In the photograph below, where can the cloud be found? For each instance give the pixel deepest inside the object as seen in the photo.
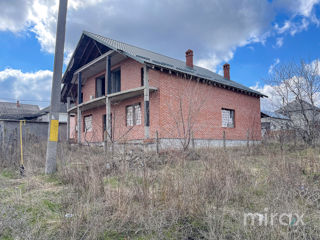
(273, 102)
(315, 66)
(15, 84)
(297, 7)
(301, 15)
(213, 29)
(14, 15)
(279, 42)
(293, 27)
(276, 62)
(306, 6)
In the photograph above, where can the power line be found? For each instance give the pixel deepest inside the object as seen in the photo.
(25, 100)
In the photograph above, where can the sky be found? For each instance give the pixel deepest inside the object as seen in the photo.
(253, 36)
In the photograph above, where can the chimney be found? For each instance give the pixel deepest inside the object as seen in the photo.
(226, 71)
(18, 104)
(189, 58)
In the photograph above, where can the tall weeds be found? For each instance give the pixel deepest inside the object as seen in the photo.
(199, 194)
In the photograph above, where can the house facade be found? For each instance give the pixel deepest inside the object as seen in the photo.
(304, 119)
(121, 93)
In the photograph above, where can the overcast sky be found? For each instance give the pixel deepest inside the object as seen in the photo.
(252, 35)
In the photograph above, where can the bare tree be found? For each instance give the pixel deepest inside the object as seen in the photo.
(184, 109)
(298, 86)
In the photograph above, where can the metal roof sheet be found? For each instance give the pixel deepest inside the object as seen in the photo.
(9, 110)
(296, 106)
(274, 115)
(146, 56)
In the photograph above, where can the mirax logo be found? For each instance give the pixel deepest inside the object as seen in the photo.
(271, 219)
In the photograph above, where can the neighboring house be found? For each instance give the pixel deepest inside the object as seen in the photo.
(304, 118)
(43, 114)
(296, 110)
(34, 122)
(136, 95)
(272, 122)
(16, 111)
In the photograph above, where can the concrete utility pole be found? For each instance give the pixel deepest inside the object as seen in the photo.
(51, 158)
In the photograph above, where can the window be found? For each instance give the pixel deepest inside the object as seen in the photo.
(227, 118)
(142, 76)
(133, 114)
(87, 123)
(104, 122)
(100, 86)
(115, 82)
(137, 114)
(81, 98)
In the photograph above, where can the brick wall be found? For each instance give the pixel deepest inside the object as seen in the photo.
(130, 78)
(207, 120)
(201, 103)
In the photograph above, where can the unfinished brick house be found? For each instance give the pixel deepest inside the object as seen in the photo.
(121, 93)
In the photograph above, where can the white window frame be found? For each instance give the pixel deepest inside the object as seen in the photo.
(228, 118)
(133, 115)
(87, 123)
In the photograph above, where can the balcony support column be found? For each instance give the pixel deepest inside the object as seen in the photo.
(146, 102)
(68, 119)
(108, 134)
(78, 108)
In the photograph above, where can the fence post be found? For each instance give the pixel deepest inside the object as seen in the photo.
(192, 140)
(157, 141)
(16, 144)
(248, 143)
(224, 139)
(105, 141)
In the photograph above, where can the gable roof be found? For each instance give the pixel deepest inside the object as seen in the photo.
(9, 110)
(295, 106)
(145, 56)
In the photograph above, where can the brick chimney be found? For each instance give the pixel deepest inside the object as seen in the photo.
(18, 104)
(189, 58)
(226, 71)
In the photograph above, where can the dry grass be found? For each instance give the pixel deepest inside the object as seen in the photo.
(177, 195)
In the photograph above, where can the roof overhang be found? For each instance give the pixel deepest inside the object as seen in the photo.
(159, 62)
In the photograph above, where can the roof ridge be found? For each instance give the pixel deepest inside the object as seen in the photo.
(87, 32)
(136, 47)
(14, 103)
(147, 56)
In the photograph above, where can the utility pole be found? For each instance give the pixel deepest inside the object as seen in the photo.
(51, 157)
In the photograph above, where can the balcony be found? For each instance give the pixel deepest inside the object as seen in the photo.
(113, 97)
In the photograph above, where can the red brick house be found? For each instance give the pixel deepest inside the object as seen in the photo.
(130, 94)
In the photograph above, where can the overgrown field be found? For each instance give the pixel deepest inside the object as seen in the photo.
(202, 194)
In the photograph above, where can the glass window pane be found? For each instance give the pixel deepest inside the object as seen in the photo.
(137, 114)
(130, 116)
(88, 123)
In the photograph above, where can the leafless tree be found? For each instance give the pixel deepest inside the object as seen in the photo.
(297, 84)
(184, 109)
